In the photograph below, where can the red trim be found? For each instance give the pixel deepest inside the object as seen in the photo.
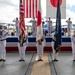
(66, 49)
(10, 49)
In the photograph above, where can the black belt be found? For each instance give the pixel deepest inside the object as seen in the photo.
(2, 39)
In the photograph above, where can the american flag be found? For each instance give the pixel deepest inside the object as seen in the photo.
(30, 7)
(22, 22)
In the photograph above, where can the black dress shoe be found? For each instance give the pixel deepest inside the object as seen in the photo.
(1, 59)
(55, 60)
(20, 60)
(40, 60)
(23, 60)
(74, 60)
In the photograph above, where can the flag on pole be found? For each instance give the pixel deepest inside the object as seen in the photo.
(51, 7)
(22, 24)
(39, 23)
(58, 36)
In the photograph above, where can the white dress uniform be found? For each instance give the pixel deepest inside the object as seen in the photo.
(3, 36)
(40, 47)
(22, 49)
(69, 26)
(33, 21)
(73, 46)
(17, 26)
(49, 27)
(55, 55)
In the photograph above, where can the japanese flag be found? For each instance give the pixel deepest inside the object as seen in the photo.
(39, 22)
(51, 7)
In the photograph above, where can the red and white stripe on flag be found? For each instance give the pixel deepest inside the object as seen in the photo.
(51, 7)
(22, 22)
(39, 22)
(30, 7)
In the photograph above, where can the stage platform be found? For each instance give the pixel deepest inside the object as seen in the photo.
(12, 44)
(12, 66)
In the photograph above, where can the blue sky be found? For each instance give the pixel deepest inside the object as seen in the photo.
(9, 10)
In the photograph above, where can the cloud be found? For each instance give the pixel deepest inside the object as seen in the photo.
(9, 2)
(9, 9)
(8, 14)
(70, 13)
(70, 3)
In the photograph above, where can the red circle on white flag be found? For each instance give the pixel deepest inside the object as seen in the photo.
(54, 2)
(39, 18)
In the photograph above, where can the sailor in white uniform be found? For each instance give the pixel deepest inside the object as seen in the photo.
(69, 24)
(3, 36)
(49, 26)
(22, 44)
(40, 47)
(17, 26)
(73, 45)
(33, 21)
(55, 55)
